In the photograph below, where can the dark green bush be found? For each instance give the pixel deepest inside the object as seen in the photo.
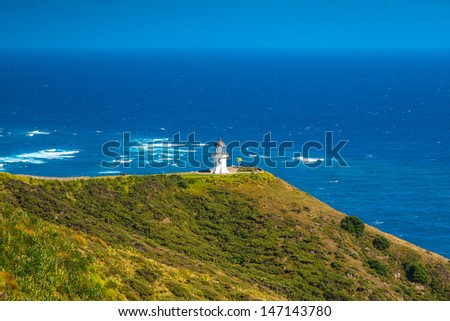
(416, 272)
(378, 267)
(353, 225)
(381, 243)
(183, 184)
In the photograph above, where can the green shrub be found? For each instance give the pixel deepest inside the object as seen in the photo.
(247, 169)
(183, 184)
(416, 272)
(377, 266)
(353, 225)
(381, 243)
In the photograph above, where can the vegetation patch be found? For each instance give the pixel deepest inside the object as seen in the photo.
(416, 272)
(353, 225)
(381, 243)
(377, 266)
(196, 237)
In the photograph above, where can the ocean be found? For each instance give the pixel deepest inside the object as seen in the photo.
(58, 109)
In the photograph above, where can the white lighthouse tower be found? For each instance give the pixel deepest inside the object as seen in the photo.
(220, 158)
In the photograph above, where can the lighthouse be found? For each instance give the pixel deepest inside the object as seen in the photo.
(220, 158)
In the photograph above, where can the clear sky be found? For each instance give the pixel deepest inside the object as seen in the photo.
(259, 24)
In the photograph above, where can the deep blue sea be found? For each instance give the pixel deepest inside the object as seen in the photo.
(57, 109)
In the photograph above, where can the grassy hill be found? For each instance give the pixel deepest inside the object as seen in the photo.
(198, 237)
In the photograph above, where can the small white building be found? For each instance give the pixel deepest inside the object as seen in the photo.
(220, 158)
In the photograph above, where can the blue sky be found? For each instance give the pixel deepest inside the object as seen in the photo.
(261, 24)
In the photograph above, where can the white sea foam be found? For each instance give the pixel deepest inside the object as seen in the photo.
(123, 161)
(309, 160)
(377, 222)
(14, 159)
(156, 145)
(109, 172)
(40, 157)
(37, 132)
(49, 154)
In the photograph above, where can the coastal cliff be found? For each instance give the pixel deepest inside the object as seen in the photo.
(198, 237)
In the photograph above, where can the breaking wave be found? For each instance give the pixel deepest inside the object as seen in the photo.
(37, 132)
(40, 157)
(309, 160)
(50, 154)
(109, 172)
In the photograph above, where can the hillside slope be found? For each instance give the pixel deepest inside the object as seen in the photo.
(197, 237)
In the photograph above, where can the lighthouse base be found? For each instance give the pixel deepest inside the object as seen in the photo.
(220, 167)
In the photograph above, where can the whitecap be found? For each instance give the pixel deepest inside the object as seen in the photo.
(334, 181)
(109, 172)
(11, 160)
(158, 145)
(308, 160)
(377, 222)
(40, 156)
(49, 154)
(123, 161)
(37, 132)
